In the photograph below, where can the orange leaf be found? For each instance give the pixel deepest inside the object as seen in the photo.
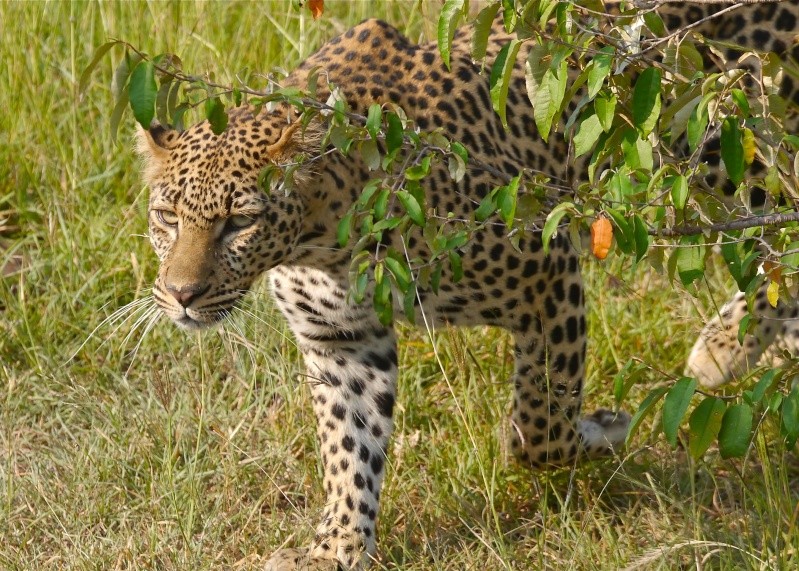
(773, 270)
(316, 7)
(601, 237)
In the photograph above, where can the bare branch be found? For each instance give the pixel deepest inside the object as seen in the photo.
(739, 224)
(653, 3)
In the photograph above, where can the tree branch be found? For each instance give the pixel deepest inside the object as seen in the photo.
(740, 224)
(651, 3)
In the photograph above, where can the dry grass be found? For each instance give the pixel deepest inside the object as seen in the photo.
(199, 452)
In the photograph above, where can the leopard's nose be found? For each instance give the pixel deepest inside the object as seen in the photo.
(186, 294)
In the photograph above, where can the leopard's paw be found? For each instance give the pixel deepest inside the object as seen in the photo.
(604, 431)
(299, 560)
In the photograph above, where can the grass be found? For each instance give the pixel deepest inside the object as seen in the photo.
(198, 452)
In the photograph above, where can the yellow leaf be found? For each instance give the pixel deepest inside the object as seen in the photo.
(748, 141)
(773, 293)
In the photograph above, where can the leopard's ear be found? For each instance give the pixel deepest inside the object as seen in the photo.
(296, 138)
(291, 142)
(296, 141)
(154, 146)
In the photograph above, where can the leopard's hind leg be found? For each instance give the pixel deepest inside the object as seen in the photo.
(717, 356)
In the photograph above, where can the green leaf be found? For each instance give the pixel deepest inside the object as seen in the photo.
(215, 113)
(394, 135)
(740, 100)
(643, 410)
(119, 81)
(654, 24)
(772, 179)
(690, 259)
(675, 405)
(87, 72)
(455, 265)
(374, 119)
(679, 192)
(625, 239)
(545, 87)
(697, 123)
(624, 380)
(412, 207)
(399, 269)
(641, 236)
(267, 177)
(177, 116)
(739, 258)
(538, 59)
(435, 278)
(487, 207)
(790, 417)
(732, 150)
(172, 104)
(637, 151)
(343, 229)
(501, 73)
(341, 139)
(360, 286)
(765, 384)
(118, 111)
(646, 100)
(368, 191)
(459, 150)
(418, 172)
(381, 203)
(600, 67)
(162, 101)
(416, 191)
(456, 240)
(382, 296)
(142, 93)
(386, 224)
(482, 29)
(736, 431)
(743, 327)
(370, 154)
(551, 224)
(588, 132)
(509, 15)
(605, 108)
(451, 13)
(705, 423)
(506, 201)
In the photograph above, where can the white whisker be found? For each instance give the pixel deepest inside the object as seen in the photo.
(124, 313)
(154, 315)
(142, 319)
(238, 338)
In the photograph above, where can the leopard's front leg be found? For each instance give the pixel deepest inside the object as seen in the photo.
(351, 365)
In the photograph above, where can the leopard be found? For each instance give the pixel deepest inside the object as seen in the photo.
(216, 231)
(719, 357)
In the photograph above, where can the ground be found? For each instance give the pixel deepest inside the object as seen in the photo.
(114, 461)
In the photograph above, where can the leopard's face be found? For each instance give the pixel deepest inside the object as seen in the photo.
(215, 231)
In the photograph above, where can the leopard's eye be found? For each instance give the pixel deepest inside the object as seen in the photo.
(239, 222)
(166, 217)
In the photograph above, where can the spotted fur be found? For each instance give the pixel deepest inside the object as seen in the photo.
(215, 232)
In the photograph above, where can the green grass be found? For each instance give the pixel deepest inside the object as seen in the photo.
(198, 452)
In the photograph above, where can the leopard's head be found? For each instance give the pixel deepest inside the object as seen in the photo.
(213, 227)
